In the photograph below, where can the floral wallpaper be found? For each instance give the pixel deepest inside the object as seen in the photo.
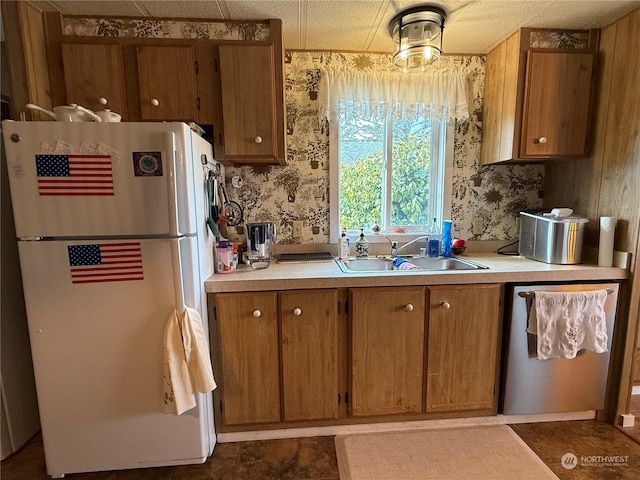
(577, 40)
(146, 28)
(300, 191)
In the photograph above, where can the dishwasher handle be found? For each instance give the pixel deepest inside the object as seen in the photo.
(531, 294)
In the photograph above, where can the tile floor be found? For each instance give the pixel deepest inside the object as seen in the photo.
(314, 458)
(634, 408)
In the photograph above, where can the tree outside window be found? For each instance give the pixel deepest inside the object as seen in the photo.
(385, 172)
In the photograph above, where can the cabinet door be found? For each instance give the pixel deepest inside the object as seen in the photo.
(247, 82)
(387, 347)
(462, 347)
(167, 82)
(248, 345)
(93, 72)
(309, 354)
(556, 108)
(206, 79)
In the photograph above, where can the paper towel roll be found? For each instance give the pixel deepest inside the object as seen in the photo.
(607, 234)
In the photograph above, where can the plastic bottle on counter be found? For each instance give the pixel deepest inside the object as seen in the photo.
(447, 238)
(362, 246)
(433, 247)
(343, 243)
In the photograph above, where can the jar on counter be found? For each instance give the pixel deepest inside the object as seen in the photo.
(224, 257)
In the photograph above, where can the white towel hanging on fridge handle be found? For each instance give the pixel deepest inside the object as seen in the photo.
(187, 363)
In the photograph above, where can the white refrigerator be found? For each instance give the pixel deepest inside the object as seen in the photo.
(112, 237)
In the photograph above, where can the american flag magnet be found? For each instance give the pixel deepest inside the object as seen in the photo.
(105, 262)
(74, 174)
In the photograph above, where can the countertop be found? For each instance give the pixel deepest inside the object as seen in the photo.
(327, 274)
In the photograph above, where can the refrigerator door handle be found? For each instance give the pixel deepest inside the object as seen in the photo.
(170, 146)
(178, 286)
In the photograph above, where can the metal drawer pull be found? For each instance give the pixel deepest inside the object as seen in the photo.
(258, 139)
(257, 313)
(531, 294)
(155, 102)
(542, 140)
(297, 311)
(408, 307)
(445, 305)
(103, 101)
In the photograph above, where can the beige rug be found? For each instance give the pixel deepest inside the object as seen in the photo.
(471, 453)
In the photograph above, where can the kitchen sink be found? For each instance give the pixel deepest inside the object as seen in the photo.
(385, 264)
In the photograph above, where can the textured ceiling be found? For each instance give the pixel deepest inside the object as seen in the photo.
(472, 26)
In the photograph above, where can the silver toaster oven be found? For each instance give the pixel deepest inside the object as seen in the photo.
(551, 239)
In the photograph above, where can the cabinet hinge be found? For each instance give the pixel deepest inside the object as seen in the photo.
(346, 397)
(215, 313)
(220, 404)
(339, 399)
(346, 306)
(215, 64)
(195, 66)
(198, 103)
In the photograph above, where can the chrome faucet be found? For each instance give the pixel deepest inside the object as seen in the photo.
(421, 237)
(395, 249)
(394, 246)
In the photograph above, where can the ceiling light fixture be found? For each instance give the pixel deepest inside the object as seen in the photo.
(417, 33)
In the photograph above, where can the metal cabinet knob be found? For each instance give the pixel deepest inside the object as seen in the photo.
(155, 102)
(297, 311)
(542, 140)
(258, 139)
(102, 100)
(408, 307)
(257, 313)
(445, 305)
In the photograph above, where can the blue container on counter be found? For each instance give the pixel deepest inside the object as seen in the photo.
(447, 238)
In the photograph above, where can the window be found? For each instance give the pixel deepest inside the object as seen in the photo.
(391, 145)
(389, 171)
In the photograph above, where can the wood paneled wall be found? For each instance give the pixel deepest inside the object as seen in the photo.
(608, 182)
(26, 58)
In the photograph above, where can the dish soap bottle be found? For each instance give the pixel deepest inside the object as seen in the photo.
(434, 240)
(362, 246)
(447, 238)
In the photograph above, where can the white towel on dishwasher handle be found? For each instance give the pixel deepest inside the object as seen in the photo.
(187, 364)
(567, 322)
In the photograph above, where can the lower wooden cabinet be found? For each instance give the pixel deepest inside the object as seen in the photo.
(387, 350)
(249, 367)
(288, 357)
(276, 364)
(309, 350)
(390, 348)
(462, 348)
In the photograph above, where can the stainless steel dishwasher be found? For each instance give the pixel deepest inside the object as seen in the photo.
(556, 385)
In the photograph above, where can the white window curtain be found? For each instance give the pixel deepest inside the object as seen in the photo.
(372, 95)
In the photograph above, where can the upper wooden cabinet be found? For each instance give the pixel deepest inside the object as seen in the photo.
(537, 101)
(167, 82)
(233, 88)
(249, 128)
(94, 76)
(556, 104)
